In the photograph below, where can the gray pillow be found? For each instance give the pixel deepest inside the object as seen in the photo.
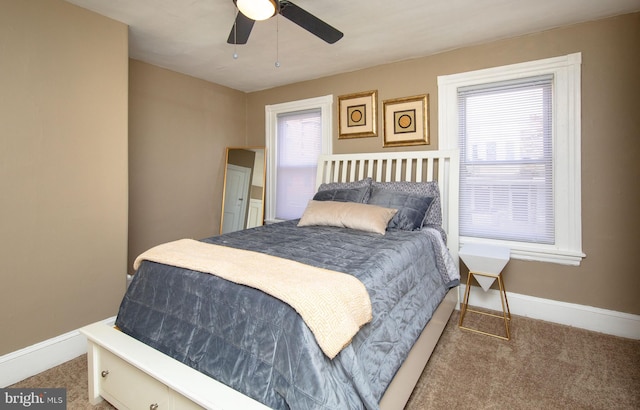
(412, 208)
(342, 195)
(363, 183)
(433, 218)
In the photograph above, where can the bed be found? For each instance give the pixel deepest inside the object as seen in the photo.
(187, 339)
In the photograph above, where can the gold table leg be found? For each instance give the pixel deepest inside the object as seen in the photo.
(506, 313)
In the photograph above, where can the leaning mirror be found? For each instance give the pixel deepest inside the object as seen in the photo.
(244, 186)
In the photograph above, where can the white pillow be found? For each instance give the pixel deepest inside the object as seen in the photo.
(364, 217)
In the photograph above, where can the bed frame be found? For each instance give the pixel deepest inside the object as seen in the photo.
(130, 374)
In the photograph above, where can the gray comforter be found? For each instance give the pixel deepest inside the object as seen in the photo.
(261, 347)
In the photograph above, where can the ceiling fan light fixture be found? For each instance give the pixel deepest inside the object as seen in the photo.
(257, 9)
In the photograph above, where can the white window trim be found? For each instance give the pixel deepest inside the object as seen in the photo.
(325, 103)
(566, 148)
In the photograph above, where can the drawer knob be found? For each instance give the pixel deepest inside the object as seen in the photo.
(154, 406)
(104, 373)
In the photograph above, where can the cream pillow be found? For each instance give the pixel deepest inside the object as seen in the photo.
(364, 217)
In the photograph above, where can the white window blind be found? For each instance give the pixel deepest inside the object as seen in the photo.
(506, 160)
(299, 144)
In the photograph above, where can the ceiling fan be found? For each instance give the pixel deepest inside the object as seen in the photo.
(251, 10)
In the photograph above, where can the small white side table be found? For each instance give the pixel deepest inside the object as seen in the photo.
(485, 263)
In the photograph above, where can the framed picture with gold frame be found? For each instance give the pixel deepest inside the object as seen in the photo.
(357, 115)
(406, 121)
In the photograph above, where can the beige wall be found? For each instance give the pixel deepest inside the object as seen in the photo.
(610, 49)
(63, 169)
(179, 128)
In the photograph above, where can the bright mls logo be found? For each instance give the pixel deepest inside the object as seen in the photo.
(40, 399)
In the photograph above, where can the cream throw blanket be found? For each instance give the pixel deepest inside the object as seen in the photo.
(334, 305)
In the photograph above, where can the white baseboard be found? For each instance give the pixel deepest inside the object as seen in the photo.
(585, 317)
(27, 362)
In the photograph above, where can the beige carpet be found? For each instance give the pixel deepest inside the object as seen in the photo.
(544, 366)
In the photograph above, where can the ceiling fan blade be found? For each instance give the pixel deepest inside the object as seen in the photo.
(309, 22)
(240, 30)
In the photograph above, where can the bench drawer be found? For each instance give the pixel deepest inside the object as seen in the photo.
(133, 388)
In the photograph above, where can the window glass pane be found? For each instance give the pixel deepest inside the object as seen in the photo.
(299, 144)
(506, 181)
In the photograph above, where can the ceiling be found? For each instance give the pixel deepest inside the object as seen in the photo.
(190, 36)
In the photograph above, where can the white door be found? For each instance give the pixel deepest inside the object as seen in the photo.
(236, 198)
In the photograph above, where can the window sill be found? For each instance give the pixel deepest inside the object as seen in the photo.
(273, 221)
(532, 252)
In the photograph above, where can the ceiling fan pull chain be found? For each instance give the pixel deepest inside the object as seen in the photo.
(277, 42)
(235, 36)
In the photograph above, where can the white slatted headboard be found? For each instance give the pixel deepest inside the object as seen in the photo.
(415, 166)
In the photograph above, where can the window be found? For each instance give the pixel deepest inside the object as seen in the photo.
(297, 133)
(506, 178)
(518, 131)
(299, 143)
